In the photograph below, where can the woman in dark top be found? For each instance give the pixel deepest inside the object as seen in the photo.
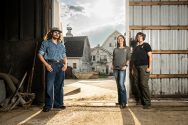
(142, 59)
(121, 57)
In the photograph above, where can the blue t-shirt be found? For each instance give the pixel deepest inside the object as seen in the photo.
(52, 51)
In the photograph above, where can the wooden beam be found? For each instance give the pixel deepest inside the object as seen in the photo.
(158, 3)
(157, 76)
(159, 27)
(169, 97)
(170, 51)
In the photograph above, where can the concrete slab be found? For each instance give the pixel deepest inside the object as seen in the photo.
(91, 92)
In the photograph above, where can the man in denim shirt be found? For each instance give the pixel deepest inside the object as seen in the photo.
(52, 54)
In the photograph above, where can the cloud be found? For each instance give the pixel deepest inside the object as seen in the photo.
(76, 8)
(72, 11)
(93, 18)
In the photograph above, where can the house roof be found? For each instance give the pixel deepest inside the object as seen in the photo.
(115, 32)
(75, 45)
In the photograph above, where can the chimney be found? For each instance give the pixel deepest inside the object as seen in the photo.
(69, 34)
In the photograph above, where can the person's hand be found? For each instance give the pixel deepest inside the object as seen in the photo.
(124, 67)
(64, 68)
(148, 70)
(49, 68)
(112, 67)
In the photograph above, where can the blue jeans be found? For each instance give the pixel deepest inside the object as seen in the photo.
(120, 80)
(54, 86)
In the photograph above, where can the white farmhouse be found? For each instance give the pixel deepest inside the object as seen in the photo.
(102, 55)
(78, 53)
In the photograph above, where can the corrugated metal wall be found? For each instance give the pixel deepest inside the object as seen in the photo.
(164, 40)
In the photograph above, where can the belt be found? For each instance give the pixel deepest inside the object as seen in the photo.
(55, 61)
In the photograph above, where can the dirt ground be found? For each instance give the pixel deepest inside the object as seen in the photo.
(96, 105)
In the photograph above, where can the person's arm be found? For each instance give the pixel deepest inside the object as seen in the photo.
(150, 62)
(48, 66)
(113, 60)
(128, 56)
(65, 64)
(41, 54)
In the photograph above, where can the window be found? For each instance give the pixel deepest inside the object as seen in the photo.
(74, 65)
(94, 58)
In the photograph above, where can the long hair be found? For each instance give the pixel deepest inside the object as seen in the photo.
(124, 42)
(141, 34)
(48, 36)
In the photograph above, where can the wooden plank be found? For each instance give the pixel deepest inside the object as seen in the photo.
(170, 51)
(169, 97)
(157, 76)
(159, 27)
(158, 3)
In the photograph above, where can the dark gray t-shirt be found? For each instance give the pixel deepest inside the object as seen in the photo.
(120, 57)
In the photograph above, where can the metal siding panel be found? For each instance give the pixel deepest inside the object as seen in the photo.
(171, 88)
(183, 40)
(164, 38)
(185, 86)
(155, 15)
(164, 15)
(173, 15)
(173, 39)
(137, 15)
(183, 15)
(131, 15)
(148, 36)
(165, 64)
(186, 43)
(146, 16)
(150, 85)
(156, 87)
(174, 86)
(172, 64)
(183, 45)
(156, 64)
(155, 37)
(165, 86)
(184, 59)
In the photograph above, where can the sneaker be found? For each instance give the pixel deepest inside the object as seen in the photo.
(62, 107)
(122, 106)
(45, 109)
(117, 103)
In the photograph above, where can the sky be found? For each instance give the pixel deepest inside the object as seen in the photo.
(96, 19)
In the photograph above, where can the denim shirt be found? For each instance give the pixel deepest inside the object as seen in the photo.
(52, 51)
